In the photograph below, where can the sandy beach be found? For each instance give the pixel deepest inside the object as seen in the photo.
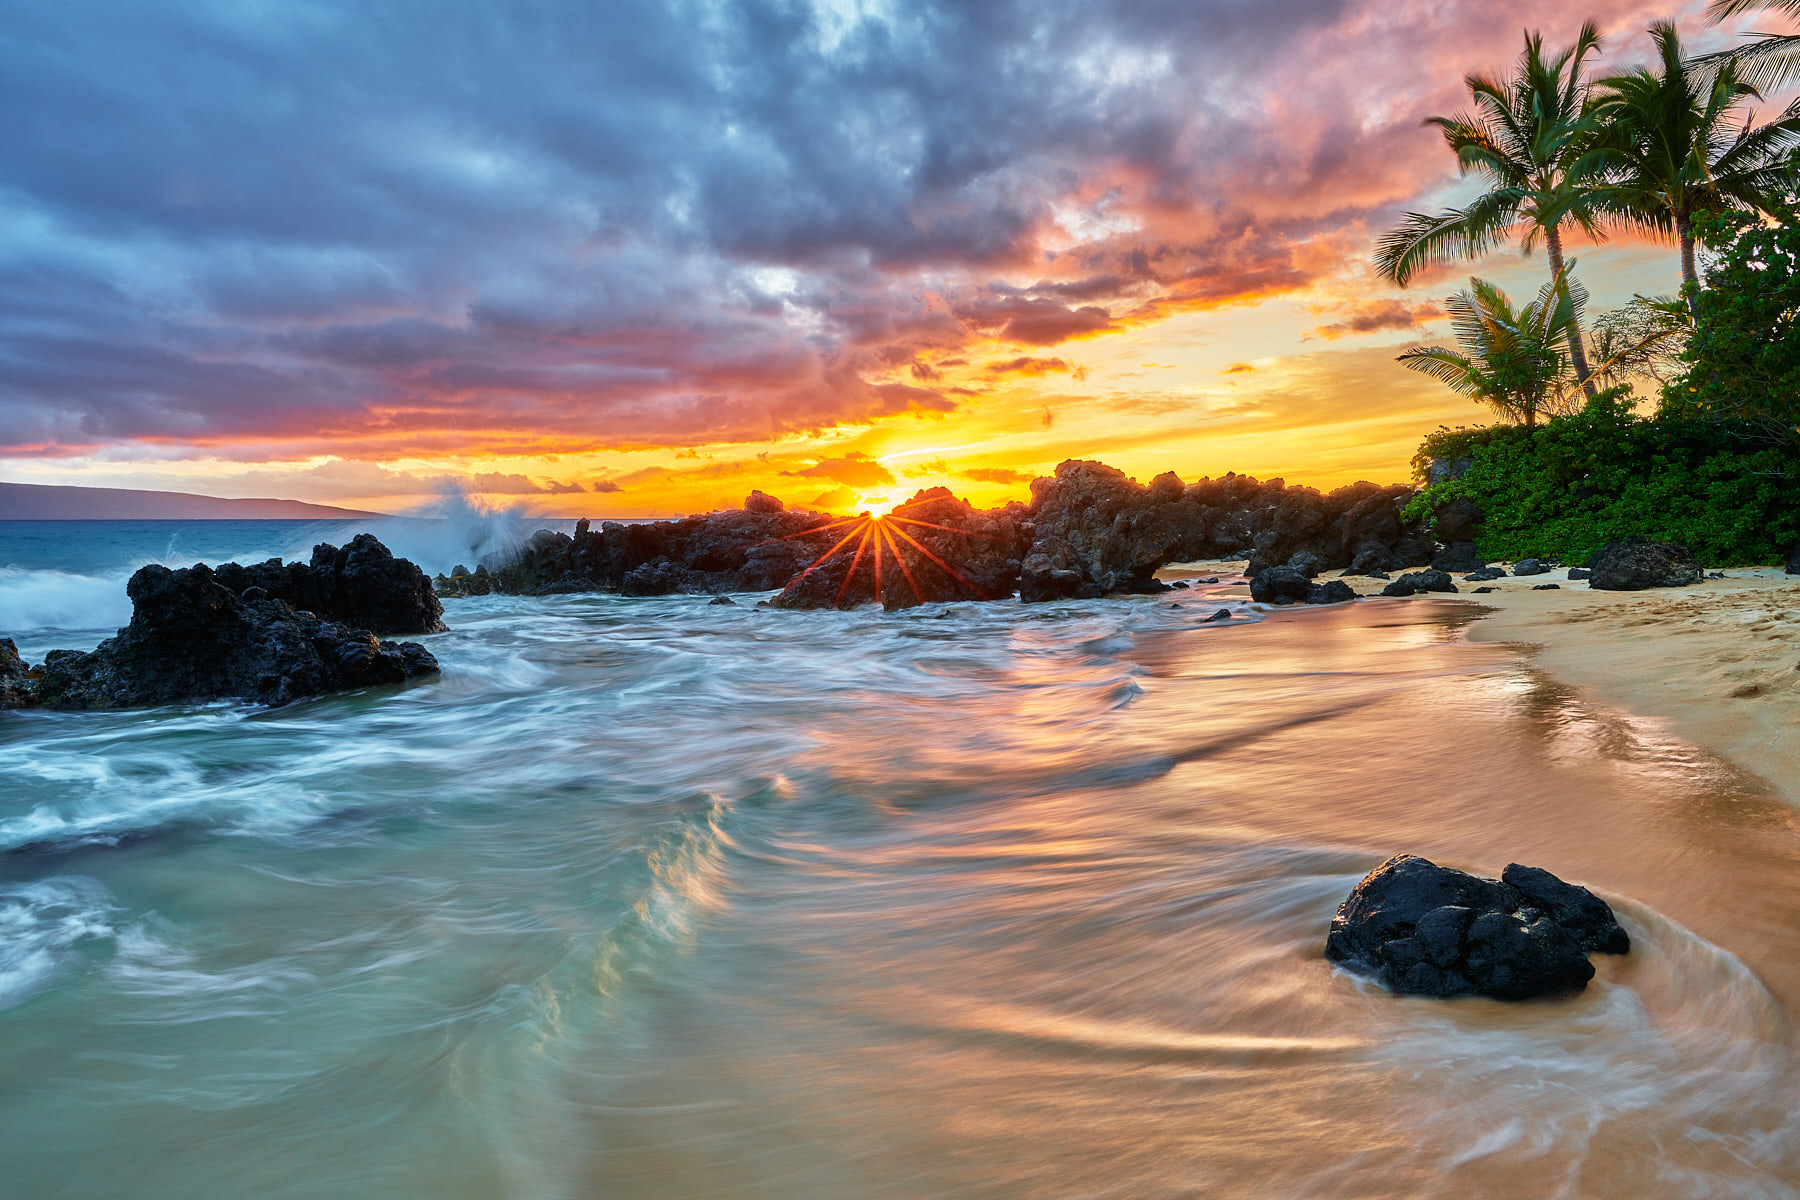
(1718, 662)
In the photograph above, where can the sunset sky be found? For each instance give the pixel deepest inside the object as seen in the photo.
(639, 258)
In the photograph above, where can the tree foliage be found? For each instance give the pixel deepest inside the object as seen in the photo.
(1509, 359)
(1676, 142)
(1743, 361)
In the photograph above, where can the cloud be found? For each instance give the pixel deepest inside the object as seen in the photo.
(1375, 316)
(855, 470)
(1238, 368)
(837, 497)
(996, 475)
(1028, 366)
(289, 231)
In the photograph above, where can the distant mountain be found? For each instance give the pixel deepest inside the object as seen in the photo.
(42, 502)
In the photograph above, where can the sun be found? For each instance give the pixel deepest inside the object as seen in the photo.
(882, 543)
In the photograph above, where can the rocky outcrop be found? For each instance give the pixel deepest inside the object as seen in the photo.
(1095, 531)
(934, 548)
(1427, 930)
(1638, 563)
(17, 686)
(759, 547)
(360, 585)
(1089, 531)
(191, 638)
(1531, 566)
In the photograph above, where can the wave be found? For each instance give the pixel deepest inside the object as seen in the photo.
(43, 925)
(458, 529)
(35, 601)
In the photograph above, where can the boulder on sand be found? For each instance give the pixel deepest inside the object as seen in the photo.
(1280, 585)
(1291, 585)
(1425, 930)
(1429, 580)
(1638, 563)
(191, 638)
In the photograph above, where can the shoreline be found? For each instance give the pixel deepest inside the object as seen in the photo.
(1716, 663)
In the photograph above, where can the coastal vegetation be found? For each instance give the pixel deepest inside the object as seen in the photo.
(1708, 454)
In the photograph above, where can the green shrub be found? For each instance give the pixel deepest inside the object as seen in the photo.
(1571, 486)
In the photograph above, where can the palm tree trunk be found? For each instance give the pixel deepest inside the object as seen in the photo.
(1577, 352)
(1684, 228)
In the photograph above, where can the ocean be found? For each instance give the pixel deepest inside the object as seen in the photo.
(657, 898)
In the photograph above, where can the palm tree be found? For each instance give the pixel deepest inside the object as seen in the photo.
(1511, 360)
(1673, 146)
(1529, 138)
(1642, 341)
(1773, 59)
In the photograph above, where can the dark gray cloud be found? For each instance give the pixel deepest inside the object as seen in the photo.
(418, 226)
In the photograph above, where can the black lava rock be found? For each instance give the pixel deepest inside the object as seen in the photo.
(1793, 562)
(1335, 591)
(1457, 521)
(191, 638)
(361, 585)
(1485, 574)
(1546, 587)
(1638, 563)
(719, 600)
(1429, 580)
(1578, 573)
(1280, 585)
(1530, 566)
(1224, 614)
(1480, 590)
(1427, 930)
(1458, 556)
(17, 687)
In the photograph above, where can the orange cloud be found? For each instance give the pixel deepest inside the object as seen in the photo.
(1375, 316)
(855, 470)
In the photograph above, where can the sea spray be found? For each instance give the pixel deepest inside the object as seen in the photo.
(459, 528)
(61, 600)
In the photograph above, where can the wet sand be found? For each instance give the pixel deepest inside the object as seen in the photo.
(1718, 664)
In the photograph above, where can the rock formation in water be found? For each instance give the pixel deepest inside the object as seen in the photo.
(756, 548)
(1089, 531)
(1638, 563)
(191, 638)
(1427, 930)
(361, 585)
(17, 686)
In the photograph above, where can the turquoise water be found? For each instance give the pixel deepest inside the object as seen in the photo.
(653, 898)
